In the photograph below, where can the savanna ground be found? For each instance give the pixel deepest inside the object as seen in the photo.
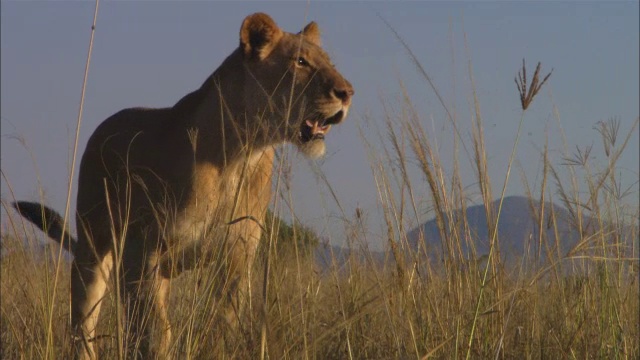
(465, 306)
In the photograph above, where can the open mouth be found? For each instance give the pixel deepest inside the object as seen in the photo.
(317, 129)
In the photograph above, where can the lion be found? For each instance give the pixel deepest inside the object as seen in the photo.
(164, 190)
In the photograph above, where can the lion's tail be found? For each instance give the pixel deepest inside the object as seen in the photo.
(48, 220)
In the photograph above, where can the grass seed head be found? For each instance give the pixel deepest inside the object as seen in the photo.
(526, 96)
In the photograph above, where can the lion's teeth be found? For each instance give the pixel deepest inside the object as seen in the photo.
(317, 128)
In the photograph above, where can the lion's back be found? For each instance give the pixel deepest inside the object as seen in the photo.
(129, 153)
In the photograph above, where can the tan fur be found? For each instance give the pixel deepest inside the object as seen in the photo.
(157, 187)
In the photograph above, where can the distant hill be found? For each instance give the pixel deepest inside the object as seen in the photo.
(518, 231)
(518, 234)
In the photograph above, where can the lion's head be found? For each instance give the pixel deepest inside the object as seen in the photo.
(291, 84)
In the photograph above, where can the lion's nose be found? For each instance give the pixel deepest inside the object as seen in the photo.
(344, 92)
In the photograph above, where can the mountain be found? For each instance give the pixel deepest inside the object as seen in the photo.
(518, 230)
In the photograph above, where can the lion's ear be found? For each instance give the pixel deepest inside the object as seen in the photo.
(258, 35)
(311, 32)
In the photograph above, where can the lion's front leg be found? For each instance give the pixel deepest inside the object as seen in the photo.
(241, 246)
(227, 253)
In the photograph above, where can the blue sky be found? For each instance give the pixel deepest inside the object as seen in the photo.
(151, 53)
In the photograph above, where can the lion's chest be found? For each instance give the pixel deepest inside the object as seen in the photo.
(218, 197)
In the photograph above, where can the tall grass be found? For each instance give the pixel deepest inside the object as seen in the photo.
(421, 301)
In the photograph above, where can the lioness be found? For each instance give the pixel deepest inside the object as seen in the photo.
(158, 187)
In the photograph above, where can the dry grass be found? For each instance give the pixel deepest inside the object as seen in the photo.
(468, 305)
(361, 312)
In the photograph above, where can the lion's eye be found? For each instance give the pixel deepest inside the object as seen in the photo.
(300, 61)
